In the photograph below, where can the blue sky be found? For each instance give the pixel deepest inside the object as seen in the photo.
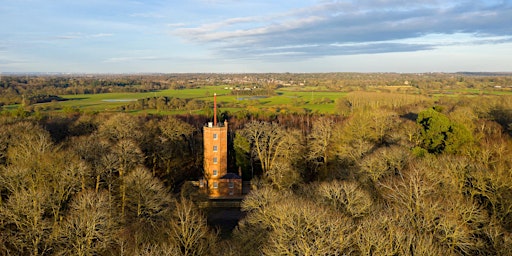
(125, 36)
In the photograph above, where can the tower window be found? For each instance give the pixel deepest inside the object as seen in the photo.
(214, 136)
(215, 185)
(214, 148)
(231, 184)
(215, 172)
(215, 160)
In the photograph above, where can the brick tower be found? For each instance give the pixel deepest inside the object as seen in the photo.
(217, 182)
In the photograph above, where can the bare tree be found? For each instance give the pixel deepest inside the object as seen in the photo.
(354, 137)
(321, 142)
(24, 215)
(345, 196)
(283, 175)
(39, 180)
(87, 229)
(148, 208)
(4, 145)
(29, 144)
(422, 205)
(119, 127)
(128, 156)
(271, 143)
(92, 150)
(389, 233)
(385, 162)
(189, 233)
(296, 226)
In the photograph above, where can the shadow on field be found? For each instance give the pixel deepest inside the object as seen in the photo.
(76, 99)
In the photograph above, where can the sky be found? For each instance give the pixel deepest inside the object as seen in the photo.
(255, 36)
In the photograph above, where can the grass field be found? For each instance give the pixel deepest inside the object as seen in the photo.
(288, 99)
(283, 99)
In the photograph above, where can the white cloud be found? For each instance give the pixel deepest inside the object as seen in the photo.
(78, 35)
(339, 28)
(101, 35)
(154, 15)
(176, 25)
(135, 59)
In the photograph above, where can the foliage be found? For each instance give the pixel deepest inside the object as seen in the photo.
(439, 134)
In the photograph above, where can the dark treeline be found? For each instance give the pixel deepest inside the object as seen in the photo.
(165, 103)
(389, 174)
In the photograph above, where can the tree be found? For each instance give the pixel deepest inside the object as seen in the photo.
(283, 175)
(173, 149)
(189, 234)
(128, 156)
(343, 106)
(88, 229)
(356, 137)
(270, 142)
(242, 148)
(295, 226)
(148, 209)
(385, 162)
(346, 197)
(439, 134)
(421, 204)
(36, 184)
(92, 151)
(4, 145)
(321, 142)
(389, 233)
(29, 144)
(120, 126)
(23, 216)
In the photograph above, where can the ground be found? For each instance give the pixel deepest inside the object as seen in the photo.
(225, 219)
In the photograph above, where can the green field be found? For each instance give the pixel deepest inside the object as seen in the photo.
(283, 100)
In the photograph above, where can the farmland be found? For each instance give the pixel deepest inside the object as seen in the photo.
(285, 100)
(292, 100)
(269, 94)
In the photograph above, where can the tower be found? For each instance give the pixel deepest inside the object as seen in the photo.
(217, 181)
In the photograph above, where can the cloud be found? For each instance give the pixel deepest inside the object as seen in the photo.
(294, 53)
(9, 62)
(70, 36)
(216, 2)
(176, 25)
(154, 15)
(77, 35)
(356, 27)
(101, 35)
(135, 59)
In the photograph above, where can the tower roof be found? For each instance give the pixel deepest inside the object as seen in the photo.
(230, 176)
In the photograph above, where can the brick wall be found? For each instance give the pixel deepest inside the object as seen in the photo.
(220, 154)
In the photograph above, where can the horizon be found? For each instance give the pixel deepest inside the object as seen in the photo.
(254, 37)
(37, 73)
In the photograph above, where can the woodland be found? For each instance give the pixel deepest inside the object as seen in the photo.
(390, 172)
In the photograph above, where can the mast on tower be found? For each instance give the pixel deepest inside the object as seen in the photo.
(215, 109)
